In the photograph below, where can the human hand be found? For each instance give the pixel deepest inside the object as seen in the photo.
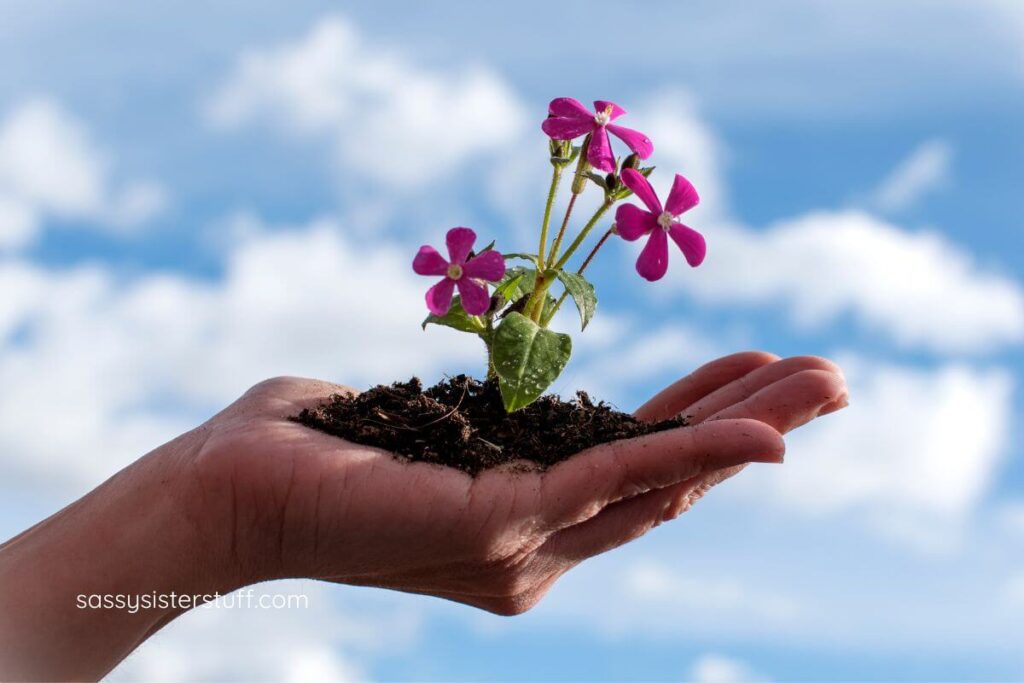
(252, 496)
(306, 504)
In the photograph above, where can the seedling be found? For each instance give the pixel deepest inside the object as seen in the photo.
(513, 317)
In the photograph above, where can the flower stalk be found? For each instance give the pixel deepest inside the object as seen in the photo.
(523, 355)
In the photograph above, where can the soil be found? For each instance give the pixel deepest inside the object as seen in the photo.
(462, 423)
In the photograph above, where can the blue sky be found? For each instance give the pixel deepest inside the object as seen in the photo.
(175, 180)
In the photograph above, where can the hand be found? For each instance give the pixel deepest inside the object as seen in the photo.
(306, 504)
(251, 496)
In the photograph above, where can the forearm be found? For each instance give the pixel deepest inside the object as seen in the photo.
(131, 536)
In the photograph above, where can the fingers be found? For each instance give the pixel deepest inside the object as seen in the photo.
(580, 487)
(744, 387)
(791, 401)
(619, 523)
(706, 379)
(784, 404)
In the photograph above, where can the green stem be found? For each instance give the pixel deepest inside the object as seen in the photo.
(491, 372)
(556, 176)
(593, 252)
(579, 184)
(535, 304)
(561, 231)
(586, 262)
(583, 234)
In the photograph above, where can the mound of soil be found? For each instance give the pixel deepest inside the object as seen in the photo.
(462, 423)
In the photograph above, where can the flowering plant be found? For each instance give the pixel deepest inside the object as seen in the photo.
(513, 320)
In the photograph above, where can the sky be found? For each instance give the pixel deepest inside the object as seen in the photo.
(197, 196)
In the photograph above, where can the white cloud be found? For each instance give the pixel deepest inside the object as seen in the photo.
(855, 60)
(918, 289)
(1013, 591)
(714, 668)
(654, 583)
(126, 366)
(912, 456)
(385, 115)
(685, 144)
(51, 167)
(137, 203)
(319, 641)
(915, 288)
(1011, 517)
(671, 596)
(610, 359)
(17, 223)
(926, 169)
(46, 157)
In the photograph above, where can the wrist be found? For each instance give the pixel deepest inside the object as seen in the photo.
(135, 535)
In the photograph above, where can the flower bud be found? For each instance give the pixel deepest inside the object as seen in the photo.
(561, 152)
(579, 183)
(632, 161)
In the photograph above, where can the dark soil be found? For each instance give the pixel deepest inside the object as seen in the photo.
(462, 423)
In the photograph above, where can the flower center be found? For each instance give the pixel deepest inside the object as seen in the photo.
(665, 220)
(603, 117)
(454, 271)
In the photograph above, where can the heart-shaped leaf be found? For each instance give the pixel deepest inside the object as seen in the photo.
(527, 359)
(582, 292)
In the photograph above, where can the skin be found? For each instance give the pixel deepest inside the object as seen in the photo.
(250, 497)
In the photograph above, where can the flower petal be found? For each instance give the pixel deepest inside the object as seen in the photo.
(489, 265)
(682, 197)
(632, 222)
(653, 261)
(429, 262)
(601, 105)
(641, 187)
(439, 297)
(634, 139)
(460, 243)
(561, 128)
(569, 108)
(690, 242)
(475, 299)
(599, 152)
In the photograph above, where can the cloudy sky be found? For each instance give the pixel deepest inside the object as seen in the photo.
(195, 196)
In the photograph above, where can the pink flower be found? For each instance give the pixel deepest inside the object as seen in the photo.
(568, 119)
(659, 223)
(467, 275)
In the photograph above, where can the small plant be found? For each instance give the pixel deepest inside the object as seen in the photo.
(513, 320)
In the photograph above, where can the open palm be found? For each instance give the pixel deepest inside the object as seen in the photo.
(288, 501)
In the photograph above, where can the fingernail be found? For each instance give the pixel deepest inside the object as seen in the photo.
(835, 405)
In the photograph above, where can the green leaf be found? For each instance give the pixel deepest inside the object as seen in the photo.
(517, 283)
(485, 249)
(622, 192)
(582, 292)
(457, 318)
(598, 180)
(532, 258)
(548, 309)
(527, 359)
